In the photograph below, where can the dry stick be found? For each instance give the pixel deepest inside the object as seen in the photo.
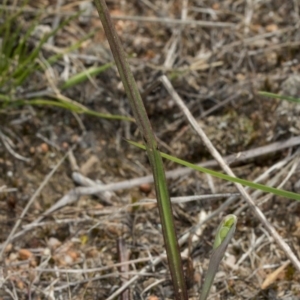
(175, 21)
(104, 197)
(91, 270)
(30, 202)
(284, 246)
(250, 40)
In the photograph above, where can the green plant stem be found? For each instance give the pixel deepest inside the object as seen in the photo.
(155, 159)
(281, 97)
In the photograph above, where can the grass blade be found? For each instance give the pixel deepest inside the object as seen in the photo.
(72, 106)
(83, 76)
(288, 98)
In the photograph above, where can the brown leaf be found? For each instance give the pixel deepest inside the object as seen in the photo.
(271, 278)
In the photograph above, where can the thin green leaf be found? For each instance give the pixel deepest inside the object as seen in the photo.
(83, 76)
(257, 186)
(288, 98)
(72, 107)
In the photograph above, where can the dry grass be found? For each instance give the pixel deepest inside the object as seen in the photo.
(220, 53)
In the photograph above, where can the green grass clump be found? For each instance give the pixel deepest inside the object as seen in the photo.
(20, 52)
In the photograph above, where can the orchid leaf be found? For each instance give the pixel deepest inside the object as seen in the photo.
(224, 234)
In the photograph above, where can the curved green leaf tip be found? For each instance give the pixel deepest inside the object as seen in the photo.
(227, 223)
(224, 234)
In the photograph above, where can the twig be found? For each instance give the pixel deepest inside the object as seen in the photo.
(284, 246)
(73, 162)
(4, 189)
(105, 196)
(56, 19)
(93, 270)
(152, 285)
(174, 21)
(185, 199)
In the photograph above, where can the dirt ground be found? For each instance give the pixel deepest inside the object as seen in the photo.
(218, 56)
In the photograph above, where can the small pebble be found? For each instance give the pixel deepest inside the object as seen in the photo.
(31, 150)
(53, 243)
(145, 188)
(65, 145)
(44, 147)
